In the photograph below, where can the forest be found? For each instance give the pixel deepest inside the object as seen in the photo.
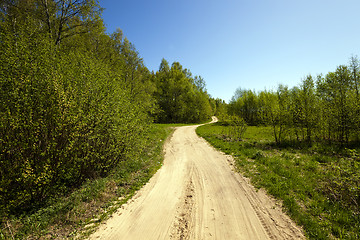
(75, 101)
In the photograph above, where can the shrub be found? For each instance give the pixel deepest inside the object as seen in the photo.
(236, 127)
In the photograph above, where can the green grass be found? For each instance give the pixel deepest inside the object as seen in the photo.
(79, 213)
(318, 184)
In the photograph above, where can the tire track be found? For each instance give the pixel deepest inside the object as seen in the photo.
(184, 219)
(197, 195)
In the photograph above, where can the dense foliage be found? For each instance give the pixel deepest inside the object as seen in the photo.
(181, 97)
(76, 102)
(325, 108)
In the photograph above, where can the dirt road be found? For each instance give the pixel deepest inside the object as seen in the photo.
(197, 195)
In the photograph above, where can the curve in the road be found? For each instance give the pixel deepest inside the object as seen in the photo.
(197, 195)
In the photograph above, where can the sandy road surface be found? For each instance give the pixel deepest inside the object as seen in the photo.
(197, 195)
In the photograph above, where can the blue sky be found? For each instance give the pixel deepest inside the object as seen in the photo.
(252, 44)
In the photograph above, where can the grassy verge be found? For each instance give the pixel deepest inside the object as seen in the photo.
(80, 212)
(318, 184)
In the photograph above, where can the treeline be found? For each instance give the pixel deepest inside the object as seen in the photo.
(181, 97)
(320, 108)
(76, 102)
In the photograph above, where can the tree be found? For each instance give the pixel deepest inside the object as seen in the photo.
(354, 68)
(181, 97)
(220, 109)
(308, 106)
(245, 106)
(339, 84)
(60, 19)
(270, 113)
(355, 98)
(66, 18)
(200, 83)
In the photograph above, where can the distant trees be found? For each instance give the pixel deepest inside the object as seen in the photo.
(326, 108)
(180, 97)
(245, 104)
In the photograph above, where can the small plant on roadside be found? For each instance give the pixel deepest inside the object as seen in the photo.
(236, 128)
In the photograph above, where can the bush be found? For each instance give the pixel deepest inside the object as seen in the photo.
(236, 127)
(343, 184)
(64, 118)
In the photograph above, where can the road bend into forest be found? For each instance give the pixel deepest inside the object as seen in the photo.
(197, 195)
